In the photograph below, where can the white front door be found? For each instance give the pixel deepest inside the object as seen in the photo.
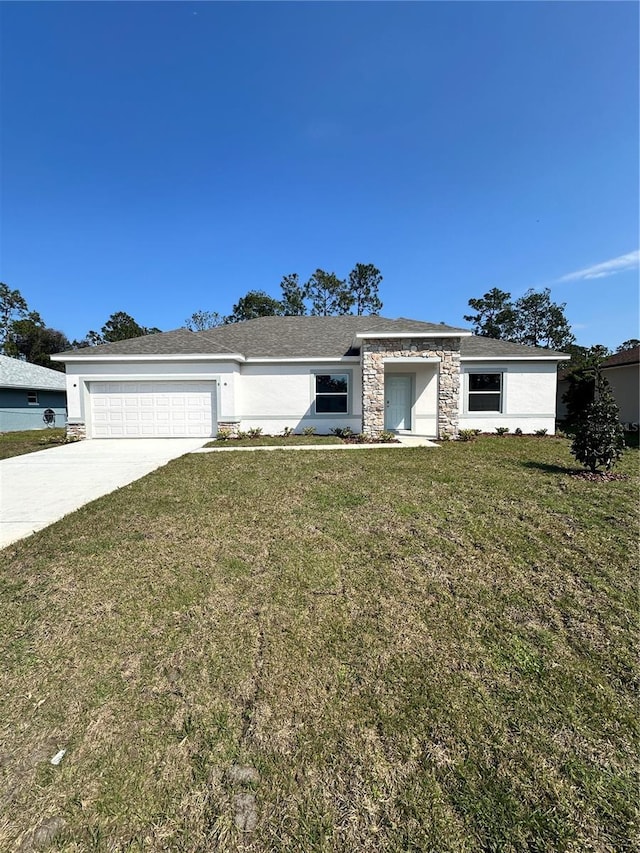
(397, 402)
(152, 409)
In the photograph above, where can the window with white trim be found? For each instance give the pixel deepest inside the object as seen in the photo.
(332, 393)
(32, 398)
(485, 392)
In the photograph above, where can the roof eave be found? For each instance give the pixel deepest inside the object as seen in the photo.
(196, 356)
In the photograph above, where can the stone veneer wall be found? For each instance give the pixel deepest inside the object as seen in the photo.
(76, 430)
(373, 354)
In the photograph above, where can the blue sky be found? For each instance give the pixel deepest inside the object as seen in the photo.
(159, 158)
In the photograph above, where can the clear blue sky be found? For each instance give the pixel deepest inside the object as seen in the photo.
(160, 158)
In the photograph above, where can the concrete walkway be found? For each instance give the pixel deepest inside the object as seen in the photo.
(404, 441)
(39, 488)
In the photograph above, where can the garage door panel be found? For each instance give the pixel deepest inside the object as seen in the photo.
(162, 409)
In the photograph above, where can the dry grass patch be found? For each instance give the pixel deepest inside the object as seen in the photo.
(414, 650)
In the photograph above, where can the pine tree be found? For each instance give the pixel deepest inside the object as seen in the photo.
(599, 436)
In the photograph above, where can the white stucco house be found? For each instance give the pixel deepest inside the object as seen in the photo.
(368, 373)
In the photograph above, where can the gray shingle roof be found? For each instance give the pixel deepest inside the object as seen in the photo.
(20, 374)
(477, 346)
(296, 337)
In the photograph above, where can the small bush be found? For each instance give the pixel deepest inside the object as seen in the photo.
(287, 431)
(309, 430)
(444, 437)
(224, 434)
(342, 432)
(517, 431)
(242, 433)
(386, 436)
(540, 432)
(255, 432)
(468, 434)
(502, 430)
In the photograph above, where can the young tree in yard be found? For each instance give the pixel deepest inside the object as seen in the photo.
(256, 303)
(539, 322)
(495, 315)
(329, 294)
(293, 296)
(364, 281)
(200, 321)
(599, 437)
(12, 307)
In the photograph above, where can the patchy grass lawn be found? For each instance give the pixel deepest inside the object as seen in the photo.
(275, 441)
(420, 650)
(28, 440)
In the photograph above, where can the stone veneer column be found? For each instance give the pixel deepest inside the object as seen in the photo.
(373, 353)
(76, 429)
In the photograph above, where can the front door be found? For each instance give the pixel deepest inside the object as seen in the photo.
(397, 402)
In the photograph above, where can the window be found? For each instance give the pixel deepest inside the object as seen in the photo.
(485, 392)
(332, 393)
(32, 398)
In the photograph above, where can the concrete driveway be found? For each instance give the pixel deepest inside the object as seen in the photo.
(39, 488)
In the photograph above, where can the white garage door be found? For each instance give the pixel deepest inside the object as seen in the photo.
(152, 409)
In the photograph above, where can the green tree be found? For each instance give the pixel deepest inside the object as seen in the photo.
(12, 307)
(599, 437)
(580, 374)
(494, 317)
(293, 296)
(539, 322)
(119, 327)
(364, 282)
(200, 321)
(632, 343)
(35, 342)
(256, 303)
(328, 294)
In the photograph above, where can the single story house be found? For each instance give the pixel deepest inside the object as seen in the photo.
(364, 372)
(27, 391)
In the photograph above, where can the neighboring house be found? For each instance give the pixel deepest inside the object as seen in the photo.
(367, 373)
(622, 371)
(26, 392)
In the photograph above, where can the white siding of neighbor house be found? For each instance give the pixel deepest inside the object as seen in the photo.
(80, 374)
(529, 396)
(424, 412)
(277, 395)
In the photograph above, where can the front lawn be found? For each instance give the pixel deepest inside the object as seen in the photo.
(414, 650)
(28, 440)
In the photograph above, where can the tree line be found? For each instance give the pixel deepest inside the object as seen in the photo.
(533, 319)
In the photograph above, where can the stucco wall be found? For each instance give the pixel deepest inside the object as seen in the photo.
(80, 375)
(277, 395)
(17, 414)
(625, 382)
(529, 396)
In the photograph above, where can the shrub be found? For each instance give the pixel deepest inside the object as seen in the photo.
(242, 433)
(540, 432)
(467, 435)
(255, 432)
(224, 434)
(517, 431)
(309, 430)
(599, 435)
(287, 431)
(386, 436)
(444, 437)
(342, 432)
(502, 430)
